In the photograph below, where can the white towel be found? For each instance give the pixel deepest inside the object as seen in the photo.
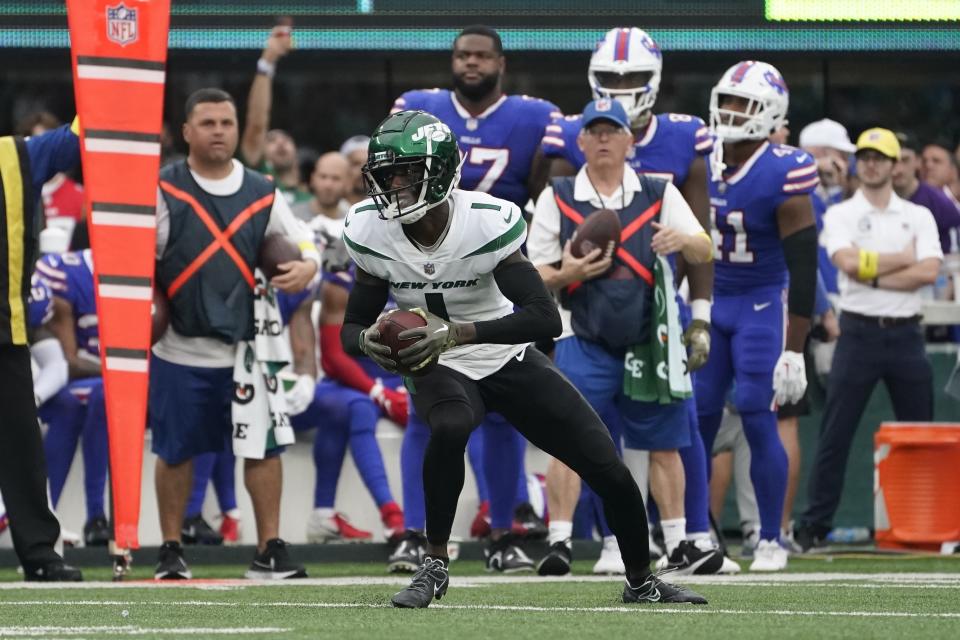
(259, 411)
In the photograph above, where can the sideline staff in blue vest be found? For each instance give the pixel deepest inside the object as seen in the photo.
(25, 164)
(610, 299)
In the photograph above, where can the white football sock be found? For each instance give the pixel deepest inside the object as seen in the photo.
(325, 512)
(674, 532)
(560, 531)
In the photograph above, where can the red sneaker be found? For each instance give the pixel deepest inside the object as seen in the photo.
(481, 522)
(230, 529)
(334, 529)
(392, 518)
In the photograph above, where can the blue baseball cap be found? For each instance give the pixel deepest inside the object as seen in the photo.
(605, 109)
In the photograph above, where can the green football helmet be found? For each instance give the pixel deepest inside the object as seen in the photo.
(422, 152)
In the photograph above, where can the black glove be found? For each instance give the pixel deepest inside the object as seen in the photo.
(436, 337)
(373, 349)
(697, 338)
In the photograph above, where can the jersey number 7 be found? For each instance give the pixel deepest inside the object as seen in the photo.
(499, 158)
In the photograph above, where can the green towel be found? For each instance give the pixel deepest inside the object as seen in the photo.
(656, 371)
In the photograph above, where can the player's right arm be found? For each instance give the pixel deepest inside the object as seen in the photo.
(62, 325)
(261, 96)
(359, 335)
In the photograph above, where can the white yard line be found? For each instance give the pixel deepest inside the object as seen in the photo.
(920, 580)
(47, 631)
(638, 609)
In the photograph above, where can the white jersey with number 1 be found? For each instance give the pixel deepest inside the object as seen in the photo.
(453, 280)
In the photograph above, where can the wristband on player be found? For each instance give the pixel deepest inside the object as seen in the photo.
(700, 309)
(267, 68)
(869, 261)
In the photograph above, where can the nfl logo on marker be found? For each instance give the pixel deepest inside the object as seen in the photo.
(122, 24)
(429, 269)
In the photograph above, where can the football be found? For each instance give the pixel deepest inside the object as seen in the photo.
(390, 327)
(159, 315)
(596, 231)
(275, 250)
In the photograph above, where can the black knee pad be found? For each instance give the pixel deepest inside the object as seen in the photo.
(451, 424)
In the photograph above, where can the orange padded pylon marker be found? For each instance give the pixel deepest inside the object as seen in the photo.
(119, 50)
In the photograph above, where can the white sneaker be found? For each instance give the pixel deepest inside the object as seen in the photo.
(610, 562)
(769, 556)
(337, 528)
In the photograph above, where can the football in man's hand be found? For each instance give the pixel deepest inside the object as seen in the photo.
(275, 250)
(159, 315)
(597, 231)
(390, 327)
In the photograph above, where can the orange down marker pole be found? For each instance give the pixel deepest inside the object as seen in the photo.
(119, 51)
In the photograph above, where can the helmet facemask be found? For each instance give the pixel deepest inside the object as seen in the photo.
(426, 185)
(757, 121)
(637, 98)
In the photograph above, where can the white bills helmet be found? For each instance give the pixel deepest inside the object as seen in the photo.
(767, 96)
(632, 53)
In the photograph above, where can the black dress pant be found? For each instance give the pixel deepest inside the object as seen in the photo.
(866, 354)
(23, 469)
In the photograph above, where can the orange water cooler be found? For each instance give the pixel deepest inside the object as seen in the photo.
(916, 485)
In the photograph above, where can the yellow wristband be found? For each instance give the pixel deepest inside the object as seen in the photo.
(869, 261)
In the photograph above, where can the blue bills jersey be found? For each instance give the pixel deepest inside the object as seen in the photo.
(70, 276)
(290, 302)
(498, 145)
(748, 252)
(666, 149)
(39, 303)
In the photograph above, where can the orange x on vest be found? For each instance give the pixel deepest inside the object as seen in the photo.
(625, 234)
(221, 239)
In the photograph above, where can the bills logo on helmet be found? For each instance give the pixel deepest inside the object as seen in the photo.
(435, 132)
(122, 24)
(650, 45)
(776, 82)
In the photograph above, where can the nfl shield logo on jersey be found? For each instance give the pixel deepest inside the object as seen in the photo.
(429, 268)
(122, 26)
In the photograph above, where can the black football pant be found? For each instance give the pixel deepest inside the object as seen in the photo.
(23, 469)
(549, 411)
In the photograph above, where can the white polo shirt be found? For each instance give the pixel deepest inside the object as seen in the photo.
(857, 222)
(543, 241)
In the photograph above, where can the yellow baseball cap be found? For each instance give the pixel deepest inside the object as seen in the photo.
(881, 140)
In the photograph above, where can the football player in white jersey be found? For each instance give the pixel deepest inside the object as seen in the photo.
(454, 256)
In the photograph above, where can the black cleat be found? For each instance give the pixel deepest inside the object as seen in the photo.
(557, 561)
(275, 564)
(196, 530)
(408, 554)
(653, 589)
(430, 581)
(170, 563)
(97, 532)
(688, 559)
(528, 524)
(810, 538)
(505, 556)
(57, 571)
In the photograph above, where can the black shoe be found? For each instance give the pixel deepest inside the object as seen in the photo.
(57, 571)
(408, 554)
(97, 532)
(430, 581)
(557, 561)
(810, 537)
(170, 563)
(688, 559)
(505, 556)
(528, 524)
(275, 564)
(196, 531)
(653, 589)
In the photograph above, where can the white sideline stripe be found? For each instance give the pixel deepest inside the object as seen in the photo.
(919, 580)
(100, 72)
(47, 631)
(485, 607)
(124, 219)
(133, 147)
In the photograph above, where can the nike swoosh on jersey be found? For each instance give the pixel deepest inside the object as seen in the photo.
(508, 218)
(760, 307)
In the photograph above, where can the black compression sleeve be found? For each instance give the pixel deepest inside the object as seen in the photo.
(537, 318)
(363, 308)
(800, 252)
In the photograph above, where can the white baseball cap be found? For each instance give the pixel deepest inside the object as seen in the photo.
(826, 133)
